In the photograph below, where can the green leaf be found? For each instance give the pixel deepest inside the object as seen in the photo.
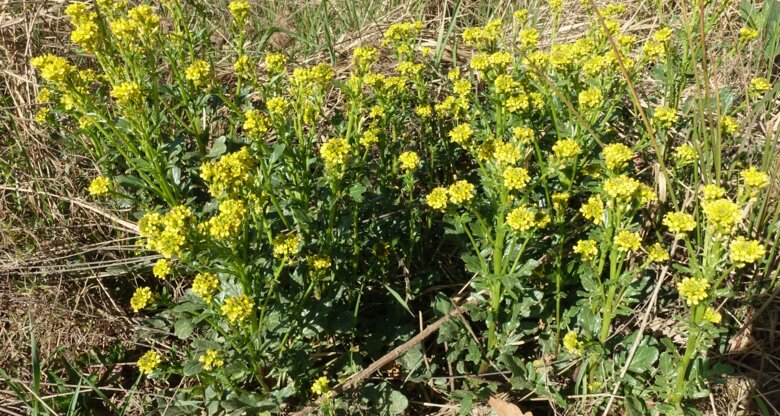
(356, 192)
(218, 148)
(191, 368)
(644, 358)
(399, 299)
(183, 328)
(398, 403)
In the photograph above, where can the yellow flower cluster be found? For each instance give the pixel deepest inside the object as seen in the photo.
(86, 32)
(286, 245)
(409, 161)
(461, 134)
(167, 234)
(616, 155)
(461, 191)
(743, 251)
(276, 107)
(204, 285)
(319, 263)
(572, 344)
(239, 10)
(54, 69)
(229, 174)
(523, 134)
(142, 297)
(275, 63)
(126, 93)
(506, 153)
(482, 37)
(747, 34)
(758, 86)
(587, 249)
(566, 149)
(335, 152)
(237, 308)
(437, 199)
(320, 387)
(198, 73)
(364, 56)
(627, 241)
(515, 178)
(402, 33)
(693, 290)
(162, 268)
(685, 154)
(590, 99)
(99, 186)
(664, 116)
(754, 179)
(621, 187)
(679, 222)
(244, 67)
(593, 209)
(712, 316)
(211, 359)
(729, 125)
(255, 123)
(657, 253)
(149, 362)
(227, 223)
(528, 39)
(711, 192)
(722, 215)
(520, 219)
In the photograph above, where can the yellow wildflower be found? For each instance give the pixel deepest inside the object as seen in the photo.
(743, 251)
(437, 199)
(198, 73)
(149, 362)
(409, 161)
(662, 35)
(507, 153)
(712, 316)
(227, 223)
(520, 219)
(747, 34)
(587, 249)
(237, 308)
(204, 285)
(621, 187)
(126, 93)
(679, 222)
(461, 134)
(523, 134)
(141, 298)
(335, 152)
(528, 39)
(758, 86)
(590, 99)
(460, 192)
(99, 186)
(162, 269)
(657, 253)
(211, 359)
(572, 344)
(229, 174)
(593, 209)
(286, 245)
(556, 7)
(685, 154)
(616, 155)
(239, 10)
(711, 192)
(729, 125)
(319, 263)
(515, 178)
(693, 290)
(244, 67)
(320, 387)
(627, 241)
(566, 149)
(276, 107)
(755, 179)
(54, 69)
(275, 63)
(665, 116)
(722, 214)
